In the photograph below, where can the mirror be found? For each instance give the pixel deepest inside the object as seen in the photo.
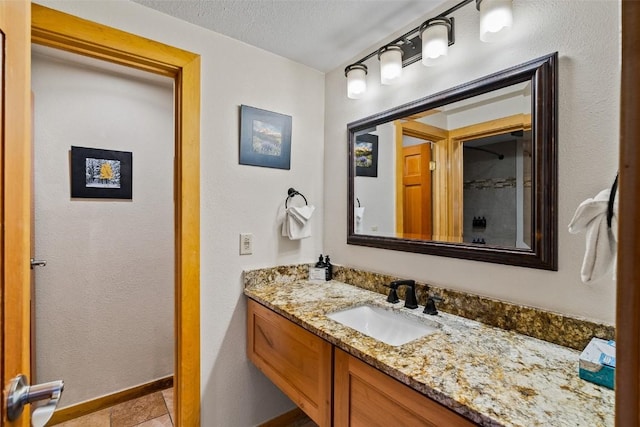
(468, 173)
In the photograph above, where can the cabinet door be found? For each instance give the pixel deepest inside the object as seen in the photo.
(296, 360)
(364, 396)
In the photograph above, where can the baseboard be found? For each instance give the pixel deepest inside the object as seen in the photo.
(103, 402)
(286, 419)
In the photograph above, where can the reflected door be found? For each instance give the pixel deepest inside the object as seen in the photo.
(416, 189)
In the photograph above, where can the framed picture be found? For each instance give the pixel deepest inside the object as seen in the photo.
(265, 138)
(101, 174)
(366, 153)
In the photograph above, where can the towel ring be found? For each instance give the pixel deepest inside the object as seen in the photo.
(612, 198)
(358, 201)
(292, 192)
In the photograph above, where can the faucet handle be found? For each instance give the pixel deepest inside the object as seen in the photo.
(430, 307)
(393, 294)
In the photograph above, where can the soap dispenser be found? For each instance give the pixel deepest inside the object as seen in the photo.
(318, 273)
(329, 268)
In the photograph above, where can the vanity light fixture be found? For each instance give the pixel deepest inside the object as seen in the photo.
(390, 57)
(437, 35)
(356, 75)
(429, 42)
(496, 18)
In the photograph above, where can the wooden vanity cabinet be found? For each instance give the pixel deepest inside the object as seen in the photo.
(364, 396)
(296, 360)
(306, 367)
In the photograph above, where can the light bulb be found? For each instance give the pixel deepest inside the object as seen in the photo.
(435, 40)
(356, 80)
(390, 64)
(496, 18)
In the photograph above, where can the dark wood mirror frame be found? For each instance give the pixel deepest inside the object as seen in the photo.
(542, 73)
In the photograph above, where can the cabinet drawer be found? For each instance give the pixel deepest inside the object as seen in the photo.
(367, 397)
(294, 359)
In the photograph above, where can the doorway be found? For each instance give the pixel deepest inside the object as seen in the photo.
(62, 31)
(497, 190)
(105, 297)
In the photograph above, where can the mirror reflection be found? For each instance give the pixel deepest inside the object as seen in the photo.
(460, 172)
(469, 172)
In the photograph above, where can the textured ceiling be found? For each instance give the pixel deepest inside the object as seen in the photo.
(319, 33)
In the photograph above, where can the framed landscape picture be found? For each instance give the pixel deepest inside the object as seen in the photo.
(366, 154)
(98, 174)
(265, 138)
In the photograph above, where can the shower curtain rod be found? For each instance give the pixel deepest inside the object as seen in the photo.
(500, 156)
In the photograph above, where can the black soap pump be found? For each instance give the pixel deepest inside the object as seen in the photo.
(328, 267)
(320, 263)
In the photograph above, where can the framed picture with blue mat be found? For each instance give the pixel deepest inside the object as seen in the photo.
(265, 138)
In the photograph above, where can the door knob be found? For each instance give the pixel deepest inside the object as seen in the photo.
(38, 263)
(21, 394)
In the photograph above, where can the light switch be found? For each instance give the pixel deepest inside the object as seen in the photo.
(246, 243)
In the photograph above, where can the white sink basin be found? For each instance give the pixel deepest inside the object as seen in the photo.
(391, 327)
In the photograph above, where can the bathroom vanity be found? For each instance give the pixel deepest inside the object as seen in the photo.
(300, 364)
(464, 373)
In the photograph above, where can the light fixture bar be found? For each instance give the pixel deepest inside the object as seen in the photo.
(412, 52)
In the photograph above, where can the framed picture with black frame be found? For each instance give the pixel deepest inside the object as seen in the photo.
(366, 154)
(100, 174)
(265, 138)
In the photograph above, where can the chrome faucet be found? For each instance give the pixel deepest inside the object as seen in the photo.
(410, 299)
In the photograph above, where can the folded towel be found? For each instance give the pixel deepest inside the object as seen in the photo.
(601, 241)
(296, 224)
(359, 213)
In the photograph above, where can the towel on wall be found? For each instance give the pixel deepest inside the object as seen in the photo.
(296, 224)
(601, 241)
(359, 214)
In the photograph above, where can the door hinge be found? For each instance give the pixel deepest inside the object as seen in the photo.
(432, 165)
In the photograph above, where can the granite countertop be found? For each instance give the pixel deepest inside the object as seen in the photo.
(491, 376)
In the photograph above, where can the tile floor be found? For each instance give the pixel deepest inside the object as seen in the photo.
(152, 410)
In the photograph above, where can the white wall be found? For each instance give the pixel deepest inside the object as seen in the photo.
(104, 301)
(236, 198)
(586, 35)
(497, 109)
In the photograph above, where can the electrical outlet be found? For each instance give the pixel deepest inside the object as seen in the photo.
(246, 243)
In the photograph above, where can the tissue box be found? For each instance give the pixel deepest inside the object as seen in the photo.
(598, 362)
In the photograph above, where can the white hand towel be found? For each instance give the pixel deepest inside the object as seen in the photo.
(601, 241)
(359, 214)
(296, 223)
